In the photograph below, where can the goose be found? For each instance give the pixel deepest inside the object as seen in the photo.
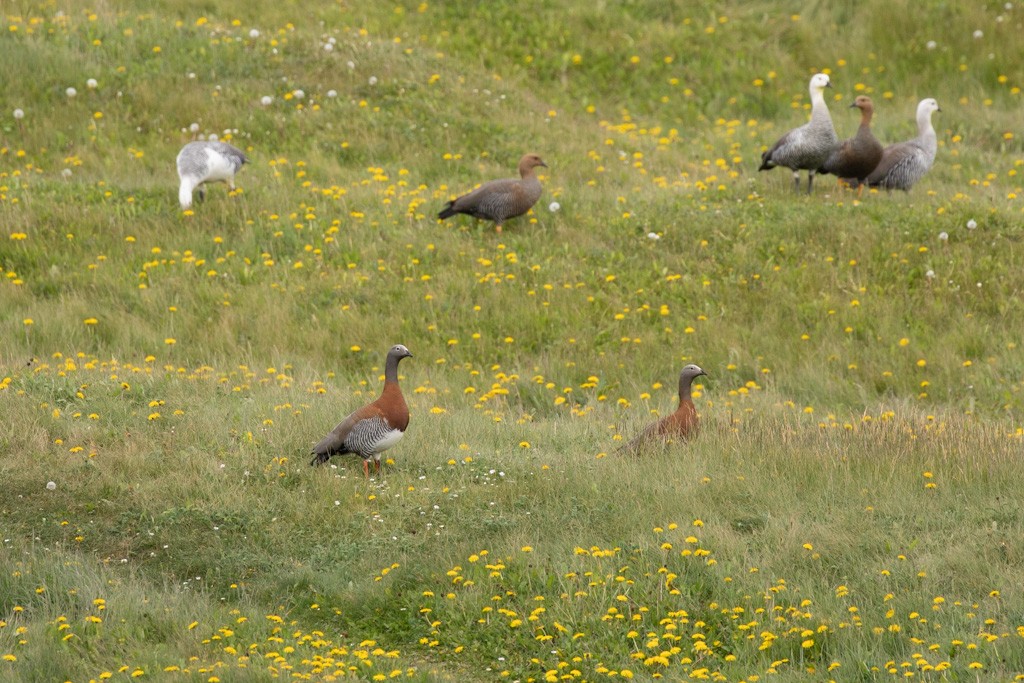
(500, 200)
(806, 147)
(905, 163)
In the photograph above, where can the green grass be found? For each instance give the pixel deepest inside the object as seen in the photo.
(851, 509)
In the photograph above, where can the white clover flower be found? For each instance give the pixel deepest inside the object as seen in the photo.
(943, 236)
(329, 47)
(266, 100)
(931, 44)
(978, 34)
(332, 93)
(299, 94)
(194, 128)
(972, 224)
(70, 92)
(554, 206)
(373, 80)
(351, 64)
(254, 33)
(653, 236)
(51, 486)
(19, 114)
(930, 274)
(91, 84)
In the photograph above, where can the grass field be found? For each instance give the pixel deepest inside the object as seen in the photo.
(850, 511)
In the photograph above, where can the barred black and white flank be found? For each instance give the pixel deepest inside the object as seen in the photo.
(206, 162)
(374, 428)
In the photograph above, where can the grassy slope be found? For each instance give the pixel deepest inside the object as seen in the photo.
(862, 416)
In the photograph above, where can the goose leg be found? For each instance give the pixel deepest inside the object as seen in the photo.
(796, 181)
(366, 468)
(810, 181)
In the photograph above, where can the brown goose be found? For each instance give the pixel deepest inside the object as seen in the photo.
(499, 200)
(858, 156)
(905, 163)
(374, 428)
(808, 146)
(682, 423)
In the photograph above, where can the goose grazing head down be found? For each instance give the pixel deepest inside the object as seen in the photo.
(206, 162)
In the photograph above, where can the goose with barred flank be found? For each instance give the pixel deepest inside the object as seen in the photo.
(905, 163)
(375, 427)
(206, 162)
(808, 146)
(854, 159)
(500, 200)
(682, 423)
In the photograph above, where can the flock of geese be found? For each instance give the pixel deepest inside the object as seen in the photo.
(860, 160)
(814, 147)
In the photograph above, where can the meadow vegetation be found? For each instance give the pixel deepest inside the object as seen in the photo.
(851, 510)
